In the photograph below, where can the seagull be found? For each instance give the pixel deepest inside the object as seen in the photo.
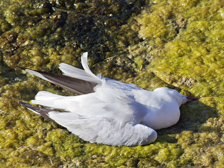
(106, 111)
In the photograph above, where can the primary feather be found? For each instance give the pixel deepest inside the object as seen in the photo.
(107, 111)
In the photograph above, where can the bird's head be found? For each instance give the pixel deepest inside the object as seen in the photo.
(174, 95)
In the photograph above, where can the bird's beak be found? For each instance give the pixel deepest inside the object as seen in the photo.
(189, 99)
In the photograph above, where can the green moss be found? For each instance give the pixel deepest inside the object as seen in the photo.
(182, 49)
(155, 28)
(4, 26)
(46, 148)
(139, 61)
(12, 15)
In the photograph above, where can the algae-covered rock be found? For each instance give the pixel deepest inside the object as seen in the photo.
(175, 43)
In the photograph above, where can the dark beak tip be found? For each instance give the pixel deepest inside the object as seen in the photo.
(193, 98)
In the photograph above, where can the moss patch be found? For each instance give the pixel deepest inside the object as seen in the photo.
(177, 44)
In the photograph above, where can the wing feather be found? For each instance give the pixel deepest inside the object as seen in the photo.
(71, 84)
(75, 80)
(38, 110)
(105, 130)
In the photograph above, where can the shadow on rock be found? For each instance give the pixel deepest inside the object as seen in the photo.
(193, 116)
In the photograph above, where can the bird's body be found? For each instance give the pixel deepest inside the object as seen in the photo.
(107, 111)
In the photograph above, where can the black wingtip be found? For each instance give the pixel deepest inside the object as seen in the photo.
(20, 68)
(38, 110)
(22, 103)
(27, 105)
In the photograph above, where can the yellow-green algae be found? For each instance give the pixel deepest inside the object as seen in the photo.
(183, 47)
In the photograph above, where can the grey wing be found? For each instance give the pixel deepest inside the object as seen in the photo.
(74, 85)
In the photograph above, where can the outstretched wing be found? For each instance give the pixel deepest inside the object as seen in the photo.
(98, 129)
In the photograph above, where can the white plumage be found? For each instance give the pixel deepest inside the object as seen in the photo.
(113, 112)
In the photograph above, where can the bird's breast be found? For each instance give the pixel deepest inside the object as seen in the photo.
(162, 117)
